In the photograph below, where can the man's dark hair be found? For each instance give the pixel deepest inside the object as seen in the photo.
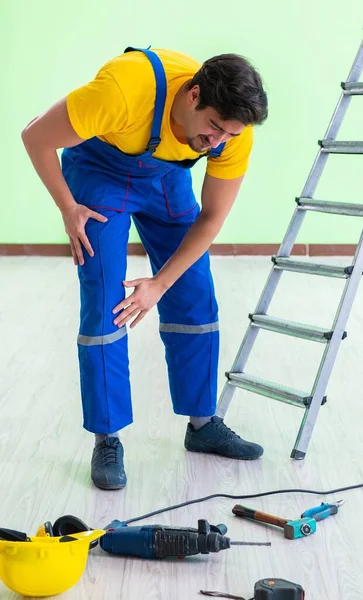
(230, 84)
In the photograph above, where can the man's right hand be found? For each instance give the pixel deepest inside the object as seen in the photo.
(75, 218)
(42, 137)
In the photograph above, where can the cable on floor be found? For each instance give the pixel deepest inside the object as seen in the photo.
(244, 497)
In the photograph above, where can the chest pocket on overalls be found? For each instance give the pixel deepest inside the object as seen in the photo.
(178, 192)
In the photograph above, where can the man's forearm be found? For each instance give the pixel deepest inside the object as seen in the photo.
(41, 138)
(194, 245)
(46, 164)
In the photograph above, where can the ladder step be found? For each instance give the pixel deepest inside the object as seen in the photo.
(300, 266)
(335, 208)
(300, 330)
(352, 89)
(341, 147)
(271, 389)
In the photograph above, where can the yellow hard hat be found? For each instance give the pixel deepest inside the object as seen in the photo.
(44, 566)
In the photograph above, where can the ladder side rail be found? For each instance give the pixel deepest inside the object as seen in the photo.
(330, 354)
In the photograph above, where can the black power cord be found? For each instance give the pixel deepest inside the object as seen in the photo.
(244, 497)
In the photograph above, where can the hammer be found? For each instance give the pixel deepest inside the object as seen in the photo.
(292, 529)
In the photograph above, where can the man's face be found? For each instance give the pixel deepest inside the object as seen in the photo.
(204, 129)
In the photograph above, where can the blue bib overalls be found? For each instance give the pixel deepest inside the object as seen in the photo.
(158, 195)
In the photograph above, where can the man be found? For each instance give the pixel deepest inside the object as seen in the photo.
(130, 137)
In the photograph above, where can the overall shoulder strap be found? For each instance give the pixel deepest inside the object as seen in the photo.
(216, 152)
(160, 98)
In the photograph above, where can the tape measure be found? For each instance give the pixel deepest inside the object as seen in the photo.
(268, 589)
(278, 589)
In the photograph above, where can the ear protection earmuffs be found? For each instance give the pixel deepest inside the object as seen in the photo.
(65, 525)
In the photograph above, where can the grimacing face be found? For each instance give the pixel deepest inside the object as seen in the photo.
(204, 129)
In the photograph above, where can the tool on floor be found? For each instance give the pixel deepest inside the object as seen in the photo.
(47, 567)
(43, 565)
(323, 511)
(293, 529)
(268, 589)
(158, 541)
(310, 402)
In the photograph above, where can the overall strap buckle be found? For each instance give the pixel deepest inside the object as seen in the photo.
(153, 144)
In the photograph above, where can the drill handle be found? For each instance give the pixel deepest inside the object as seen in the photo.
(254, 515)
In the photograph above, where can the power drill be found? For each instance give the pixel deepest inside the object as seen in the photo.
(158, 541)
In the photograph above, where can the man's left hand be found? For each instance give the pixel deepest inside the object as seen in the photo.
(147, 293)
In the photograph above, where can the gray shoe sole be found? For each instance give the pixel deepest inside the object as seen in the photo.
(224, 455)
(110, 487)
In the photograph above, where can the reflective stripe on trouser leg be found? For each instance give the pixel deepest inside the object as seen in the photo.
(188, 320)
(102, 346)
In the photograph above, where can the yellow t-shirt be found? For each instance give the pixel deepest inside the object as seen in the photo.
(118, 107)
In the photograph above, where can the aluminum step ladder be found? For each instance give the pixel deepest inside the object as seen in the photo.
(237, 377)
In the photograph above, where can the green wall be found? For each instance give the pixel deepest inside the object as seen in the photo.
(303, 49)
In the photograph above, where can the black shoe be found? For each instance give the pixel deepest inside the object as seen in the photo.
(107, 470)
(216, 438)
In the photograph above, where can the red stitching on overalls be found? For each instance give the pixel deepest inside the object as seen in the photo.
(141, 164)
(124, 202)
(107, 208)
(168, 207)
(127, 190)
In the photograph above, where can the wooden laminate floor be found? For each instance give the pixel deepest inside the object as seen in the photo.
(45, 453)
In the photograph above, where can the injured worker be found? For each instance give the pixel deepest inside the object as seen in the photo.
(130, 138)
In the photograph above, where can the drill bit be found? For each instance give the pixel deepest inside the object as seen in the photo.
(250, 543)
(221, 595)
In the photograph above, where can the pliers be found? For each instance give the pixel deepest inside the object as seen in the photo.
(323, 511)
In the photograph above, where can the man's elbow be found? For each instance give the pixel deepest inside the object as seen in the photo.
(27, 133)
(213, 219)
(25, 136)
